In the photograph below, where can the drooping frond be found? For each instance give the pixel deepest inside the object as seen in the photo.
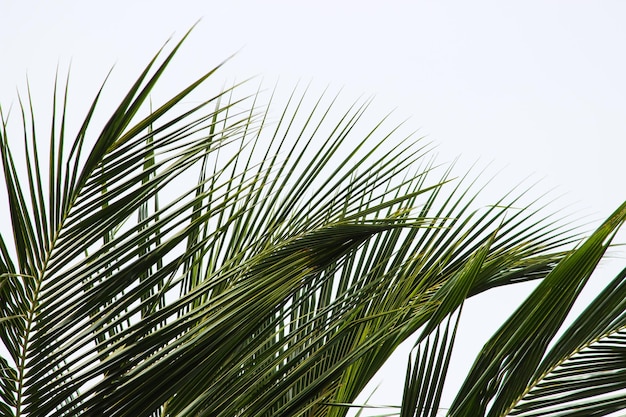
(216, 260)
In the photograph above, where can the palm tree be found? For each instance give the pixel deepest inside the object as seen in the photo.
(208, 261)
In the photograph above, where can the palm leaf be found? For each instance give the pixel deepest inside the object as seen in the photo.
(275, 282)
(582, 374)
(426, 374)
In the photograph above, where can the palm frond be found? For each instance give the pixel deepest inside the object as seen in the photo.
(426, 375)
(207, 262)
(582, 374)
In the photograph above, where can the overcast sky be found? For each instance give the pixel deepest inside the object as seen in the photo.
(539, 87)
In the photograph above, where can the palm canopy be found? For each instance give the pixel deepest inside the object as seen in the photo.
(276, 282)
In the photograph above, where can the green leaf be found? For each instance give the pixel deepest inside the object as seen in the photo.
(213, 261)
(512, 363)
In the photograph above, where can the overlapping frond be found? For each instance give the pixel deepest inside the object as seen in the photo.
(210, 262)
(583, 374)
(433, 348)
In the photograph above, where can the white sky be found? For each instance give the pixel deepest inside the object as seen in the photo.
(536, 86)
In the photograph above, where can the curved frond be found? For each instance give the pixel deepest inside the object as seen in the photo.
(210, 261)
(583, 373)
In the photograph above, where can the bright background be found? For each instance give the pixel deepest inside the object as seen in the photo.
(538, 87)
